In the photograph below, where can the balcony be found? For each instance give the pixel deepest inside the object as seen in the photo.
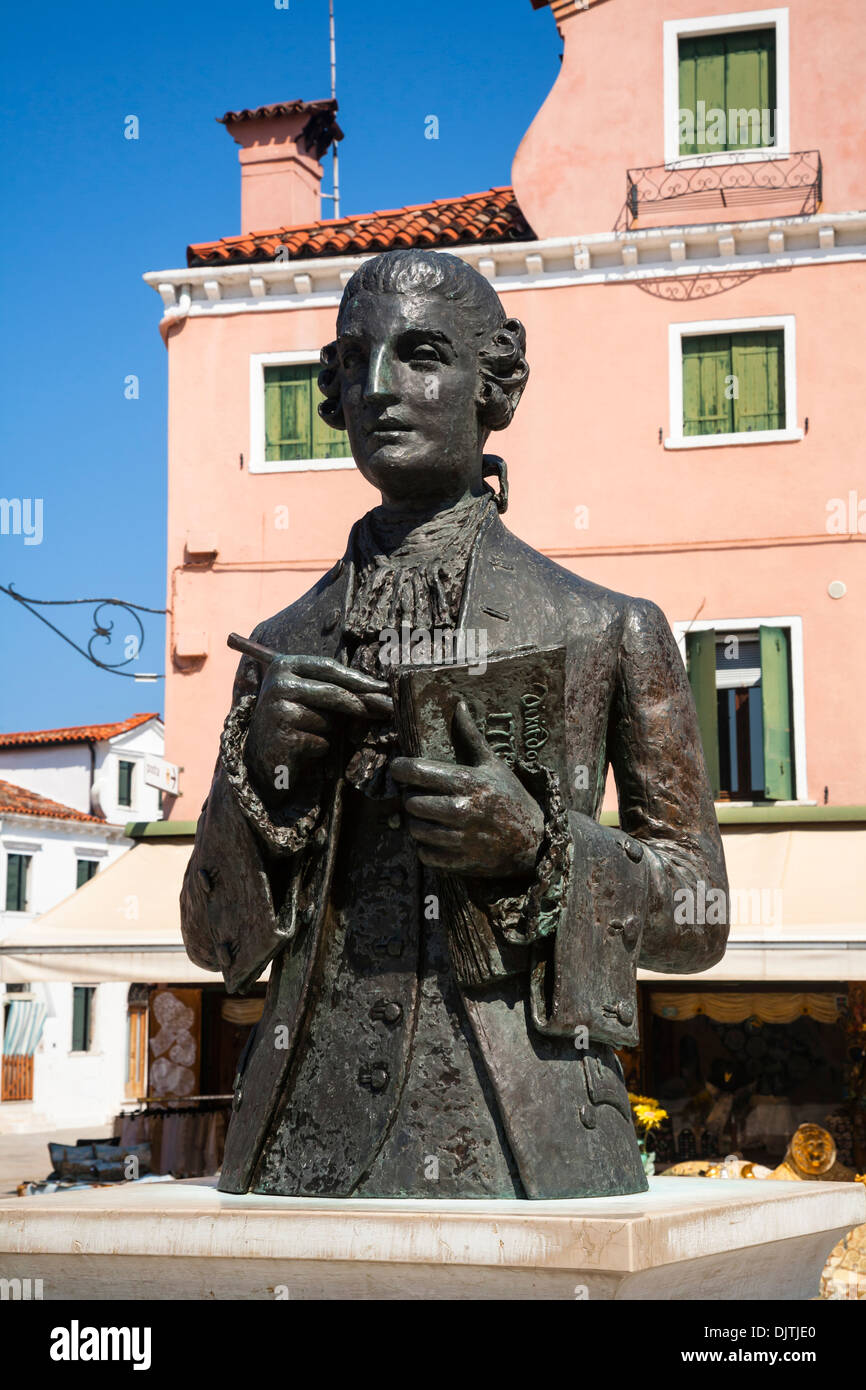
(742, 190)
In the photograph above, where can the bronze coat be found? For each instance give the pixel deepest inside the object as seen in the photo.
(629, 705)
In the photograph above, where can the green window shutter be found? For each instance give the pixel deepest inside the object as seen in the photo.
(80, 1018)
(750, 86)
(293, 427)
(706, 364)
(288, 434)
(701, 663)
(776, 707)
(16, 882)
(688, 95)
(327, 443)
(702, 80)
(758, 364)
(124, 783)
(85, 870)
(728, 73)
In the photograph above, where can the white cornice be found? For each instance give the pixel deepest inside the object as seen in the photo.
(102, 830)
(667, 253)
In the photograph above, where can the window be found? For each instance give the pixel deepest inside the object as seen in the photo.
(746, 679)
(124, 783)
(293, 427)
(726, 88)
(85, 869)
(732, 381)
(82, 1017)
(17, 882)
(287, 433)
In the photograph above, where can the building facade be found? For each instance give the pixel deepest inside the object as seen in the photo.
(66, 796)
(685, 242)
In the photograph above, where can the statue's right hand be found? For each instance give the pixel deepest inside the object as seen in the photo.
(295, 716)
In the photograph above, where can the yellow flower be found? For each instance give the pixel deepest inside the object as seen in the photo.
(647, 1112)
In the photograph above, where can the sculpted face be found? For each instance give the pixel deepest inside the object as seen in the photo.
(409, 393)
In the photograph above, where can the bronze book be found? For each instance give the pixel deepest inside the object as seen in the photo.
(518, 702)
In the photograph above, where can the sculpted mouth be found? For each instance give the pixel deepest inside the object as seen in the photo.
(386, 426)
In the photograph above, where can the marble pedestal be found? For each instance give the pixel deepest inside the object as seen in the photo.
(687, 1238)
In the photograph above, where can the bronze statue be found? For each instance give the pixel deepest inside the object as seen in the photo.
(409, 833)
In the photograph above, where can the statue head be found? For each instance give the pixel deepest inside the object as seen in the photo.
(425, 364)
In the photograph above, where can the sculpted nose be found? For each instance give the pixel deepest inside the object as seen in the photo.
(379, 386)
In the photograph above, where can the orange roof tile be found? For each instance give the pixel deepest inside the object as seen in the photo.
(82, 733)
(276, 108)
(493, 216)
(18, 801)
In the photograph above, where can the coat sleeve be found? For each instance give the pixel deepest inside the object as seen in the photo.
(654, 891)
(227, 911)
(666, 801)
(242, 898)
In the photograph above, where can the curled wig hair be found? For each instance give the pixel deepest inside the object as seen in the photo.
(502, 364)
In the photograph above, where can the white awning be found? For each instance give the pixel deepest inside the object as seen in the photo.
(798, 909)
(124, 924)
(799, 913)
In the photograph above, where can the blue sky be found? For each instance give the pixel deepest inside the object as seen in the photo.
(87, 212)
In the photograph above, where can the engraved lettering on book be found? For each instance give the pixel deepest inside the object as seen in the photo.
(518, 702)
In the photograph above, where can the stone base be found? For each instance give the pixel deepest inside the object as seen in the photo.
(687, 1238)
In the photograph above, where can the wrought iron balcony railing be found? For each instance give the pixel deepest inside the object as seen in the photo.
(733, 188)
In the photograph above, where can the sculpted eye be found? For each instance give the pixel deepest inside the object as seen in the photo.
(351, 357)
(425, 352)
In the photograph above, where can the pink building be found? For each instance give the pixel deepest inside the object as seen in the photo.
(685, 241)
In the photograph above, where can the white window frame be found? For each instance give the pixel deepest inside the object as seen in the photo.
(798, 686)
(677, 331)
(258, 463)
(674, 30)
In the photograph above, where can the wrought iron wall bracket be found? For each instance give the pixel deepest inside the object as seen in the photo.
(103, 628)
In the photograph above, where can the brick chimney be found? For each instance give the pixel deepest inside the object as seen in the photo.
(280, 150)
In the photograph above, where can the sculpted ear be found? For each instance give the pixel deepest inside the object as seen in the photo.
(503, 372)
(331, 409)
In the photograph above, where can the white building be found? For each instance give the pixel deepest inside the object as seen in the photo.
(65, 797)
(96, 768)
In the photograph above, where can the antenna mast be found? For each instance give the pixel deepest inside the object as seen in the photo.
(334, 155)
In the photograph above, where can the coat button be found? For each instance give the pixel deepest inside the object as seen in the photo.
(331, 620)
(376, 1078)
(633, 850)
(394, 822)
(630, 933)
(625, 1012)
(386, 1011)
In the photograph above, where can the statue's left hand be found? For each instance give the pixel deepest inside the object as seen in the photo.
(475, 817)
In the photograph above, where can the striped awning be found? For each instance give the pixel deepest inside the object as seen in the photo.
(24, 1020)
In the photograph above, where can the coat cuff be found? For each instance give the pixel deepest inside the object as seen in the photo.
(298, 829)
(535, 912)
